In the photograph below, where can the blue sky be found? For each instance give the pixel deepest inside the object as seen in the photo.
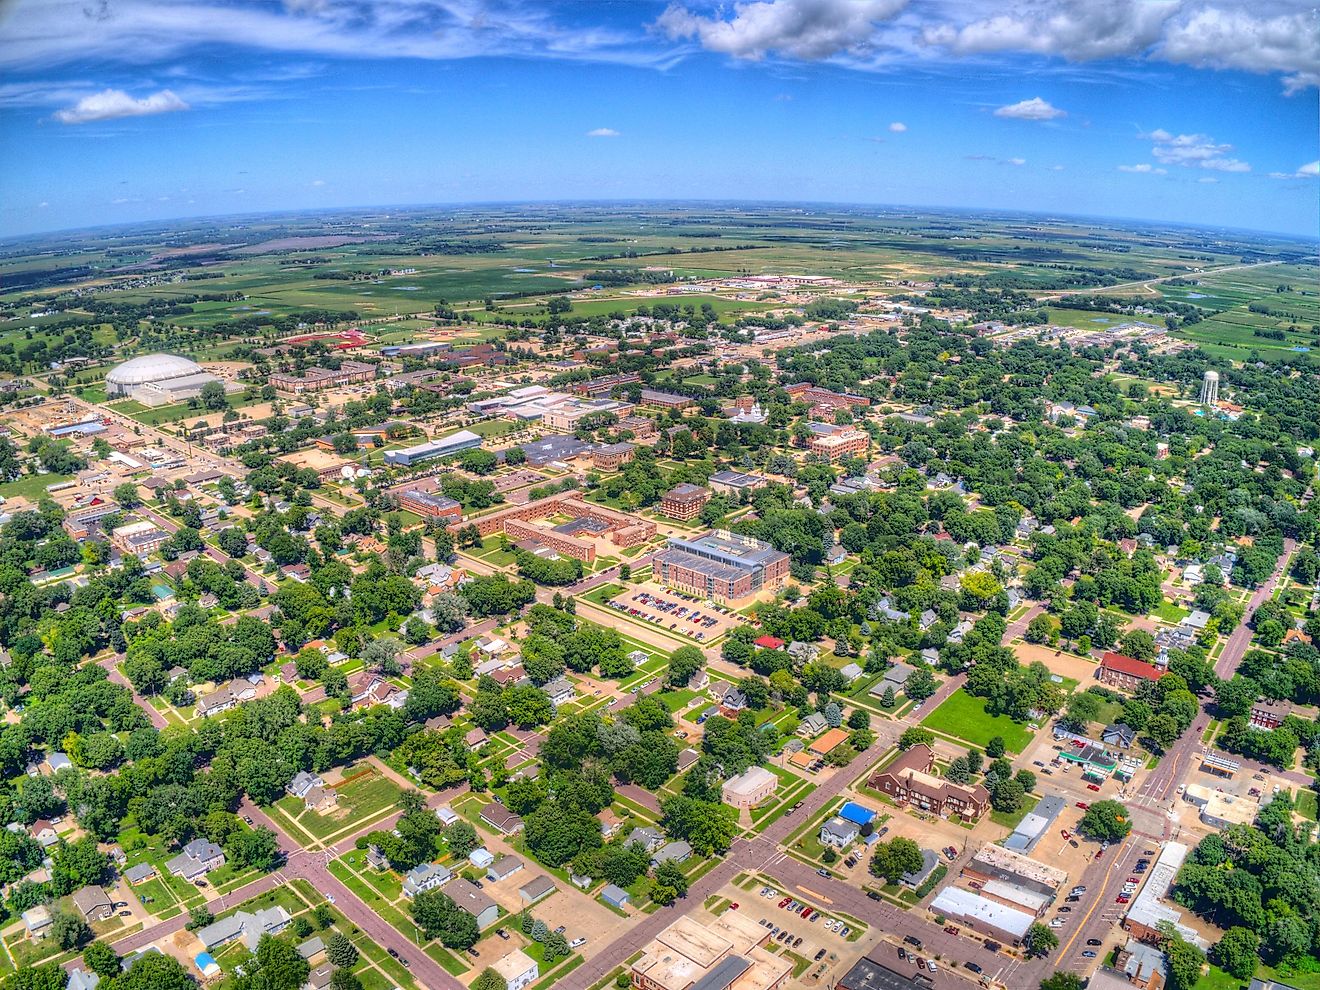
(1197, 111)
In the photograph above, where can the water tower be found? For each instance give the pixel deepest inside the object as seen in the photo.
(1210, 388)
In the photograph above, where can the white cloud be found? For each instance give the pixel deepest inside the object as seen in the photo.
(1208, 180)
(1143, 169)
(1194, 151)
(111, 104)
(802, 29)
(1310, 170)
(898, 127)
(42, 205)
(1016, 161)
(1032, 109)
(318, 182)
(1056, 168)
(603, 132)
(1279, 40)
(1078, 30)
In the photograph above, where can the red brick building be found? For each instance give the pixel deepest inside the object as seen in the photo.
(684, 502)
(1126, 673)
(908, 780)
(429, 505)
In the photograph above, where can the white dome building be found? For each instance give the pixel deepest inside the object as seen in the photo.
(160, 379)
(149, 369)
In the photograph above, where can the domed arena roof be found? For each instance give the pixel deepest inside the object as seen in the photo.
(152, 368)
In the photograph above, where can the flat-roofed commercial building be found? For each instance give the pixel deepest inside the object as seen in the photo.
(993, 862)
(983, 915)
(612, 456)
(727, 954)
(666, 400)
(622, 529)
(1148, 910)
(721, 566)
(444, 447)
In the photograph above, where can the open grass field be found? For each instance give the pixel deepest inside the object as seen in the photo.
(964, 717)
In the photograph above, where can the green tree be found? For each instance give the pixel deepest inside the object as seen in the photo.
(1039, 940)
(1105, 821)
(439, 917)
(683, 663)
(891, 860)
(101, 960)
(1236, 952)
(915, 736)
(488, 979)
(340, 951)
(69, 930)
(1185, 960)
(1061, 981)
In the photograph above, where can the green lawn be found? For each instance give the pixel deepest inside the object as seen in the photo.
(1010, 819)
(1170, 613)
(964, 717)
(601, 595)
(1306, 804)
(31, 486)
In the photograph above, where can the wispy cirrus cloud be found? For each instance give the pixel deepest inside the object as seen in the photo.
(602, 132)
(898, 127)
(1144, 168)
(112, 104)
(1032, 109)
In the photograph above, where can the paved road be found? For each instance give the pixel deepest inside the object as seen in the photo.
(312, 867)
(752, 855)
(111, 665)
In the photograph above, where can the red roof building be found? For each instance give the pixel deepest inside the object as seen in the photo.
(770, 643)
(1126, 672)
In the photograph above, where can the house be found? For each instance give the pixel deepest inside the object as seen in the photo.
(614, 895)
(198, 858)
(928, 618)
(376, 859)
(501, 819)
(139, 873)
(247, 925)
(1144, 965)
(503, 868)
(733, 701)
(536, 888)
(637, 657)
(1119, 735)
(828, 742)
(481, 857)
(908, 780)
(81, 980)
(471, 899)
(58, 761)
(895, 677)
(37, 921)
(811, 726)
(851, 672)
(609, 822)
(320, 799)
(518, 970)
(673, 852)
(303, 782)
(803, 652)
(1266, 714)
(836, 554)
(44, 832)
(838, 833)
(650, 839)
(446, 814)
(769, 643)
(424, 877)
(560, 690)
(311, 948)
(93, 902)
(699, 681)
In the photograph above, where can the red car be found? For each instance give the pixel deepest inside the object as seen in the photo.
(1121, 899)
(1083, 805)
(785, 902)
(1093, 787)
(733, 906)
(1065, 833)
(1099, 853)
(805, 911)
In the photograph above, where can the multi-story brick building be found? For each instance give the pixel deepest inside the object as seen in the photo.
(319, 379)
(721, 566)
(684, 502)
(908, 780)
(835, 446)
(612, 456)
(429, 505)
(1126, 673)
(622, 529)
